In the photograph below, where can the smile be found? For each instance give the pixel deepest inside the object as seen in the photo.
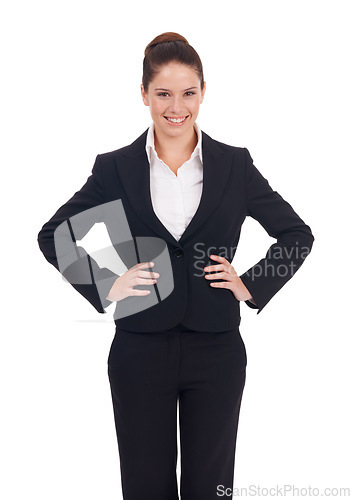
(176, 121)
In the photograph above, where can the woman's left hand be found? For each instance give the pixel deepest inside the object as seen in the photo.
(232, 281)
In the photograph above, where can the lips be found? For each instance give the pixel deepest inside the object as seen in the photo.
(176, 118)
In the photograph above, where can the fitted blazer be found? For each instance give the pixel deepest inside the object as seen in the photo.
(117, 193)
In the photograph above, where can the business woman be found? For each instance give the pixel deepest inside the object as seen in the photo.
(173, 203)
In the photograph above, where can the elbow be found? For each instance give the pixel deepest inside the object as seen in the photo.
(42, 238)
(309, 239)
(306, 242)
(300, 238)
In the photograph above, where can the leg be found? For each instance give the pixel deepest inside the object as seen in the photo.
(144, 397)
(213, 372)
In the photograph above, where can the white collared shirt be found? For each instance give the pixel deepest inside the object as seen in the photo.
(175, 198)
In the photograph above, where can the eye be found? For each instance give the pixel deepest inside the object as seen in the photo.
(161, 94)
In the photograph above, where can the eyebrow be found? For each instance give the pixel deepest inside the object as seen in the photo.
(167, 90)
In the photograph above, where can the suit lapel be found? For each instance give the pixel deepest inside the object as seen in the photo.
(134, 172)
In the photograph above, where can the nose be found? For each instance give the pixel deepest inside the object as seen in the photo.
(176, 106)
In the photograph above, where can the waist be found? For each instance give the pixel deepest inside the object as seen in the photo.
(180, 328)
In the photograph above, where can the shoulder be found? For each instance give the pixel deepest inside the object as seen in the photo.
(223, 147)
(133, 150)
(115, 154)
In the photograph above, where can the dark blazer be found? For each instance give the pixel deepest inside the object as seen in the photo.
(117, 193)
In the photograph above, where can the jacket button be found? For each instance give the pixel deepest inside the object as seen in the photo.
(178, 252)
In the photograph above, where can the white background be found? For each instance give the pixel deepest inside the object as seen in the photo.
(278, 83)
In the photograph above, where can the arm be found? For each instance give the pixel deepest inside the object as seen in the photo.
(294, 239)
(72, 221)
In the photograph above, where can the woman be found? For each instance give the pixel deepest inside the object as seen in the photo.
(174, 200)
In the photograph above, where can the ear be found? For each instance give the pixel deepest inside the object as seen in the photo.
(203, 92)
(144, 95)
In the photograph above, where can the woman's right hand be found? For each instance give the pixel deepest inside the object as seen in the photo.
(123, 286)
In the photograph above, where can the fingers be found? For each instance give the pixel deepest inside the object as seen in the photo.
(225, 265)
(143, 265)
(139, 292)
(218, 267)
(222, 284)
(219, 259)
(223, 275)
(147, 274)
(142, 281)
(227, 273)
(143, 277)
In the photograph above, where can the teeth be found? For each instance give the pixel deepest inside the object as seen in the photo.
(178, 120)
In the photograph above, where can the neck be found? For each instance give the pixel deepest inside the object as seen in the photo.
(175, 146)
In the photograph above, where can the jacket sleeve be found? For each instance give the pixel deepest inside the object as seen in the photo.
(294, 239)
(72, 221)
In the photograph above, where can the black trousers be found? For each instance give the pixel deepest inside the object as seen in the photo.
(149, 373)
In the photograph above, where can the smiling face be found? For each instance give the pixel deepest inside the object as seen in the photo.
(174, 93)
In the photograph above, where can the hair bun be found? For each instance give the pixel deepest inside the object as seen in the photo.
(169, 36)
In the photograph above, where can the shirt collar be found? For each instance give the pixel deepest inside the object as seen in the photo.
(150, 142)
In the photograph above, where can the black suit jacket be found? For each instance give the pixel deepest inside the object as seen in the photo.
(118, 194)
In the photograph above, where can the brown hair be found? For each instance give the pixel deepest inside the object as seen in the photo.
(165, 48)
